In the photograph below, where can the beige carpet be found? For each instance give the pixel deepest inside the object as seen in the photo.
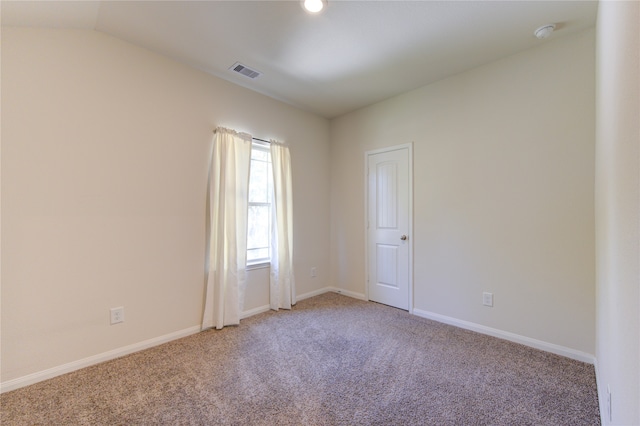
(332, 360)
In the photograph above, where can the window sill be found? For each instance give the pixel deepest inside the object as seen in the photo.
(261, 265)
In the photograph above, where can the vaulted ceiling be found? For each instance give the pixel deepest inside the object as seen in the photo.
(352, 54)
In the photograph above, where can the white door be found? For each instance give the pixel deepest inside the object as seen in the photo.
(389, 226)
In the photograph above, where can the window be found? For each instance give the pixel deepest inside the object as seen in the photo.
(260, 196)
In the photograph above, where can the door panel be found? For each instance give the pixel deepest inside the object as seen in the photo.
(387, 265)
(388, 227)
(386, 195)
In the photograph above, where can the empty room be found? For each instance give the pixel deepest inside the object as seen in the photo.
(320, 212)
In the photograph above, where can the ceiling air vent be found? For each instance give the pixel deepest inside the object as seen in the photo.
(244, 70)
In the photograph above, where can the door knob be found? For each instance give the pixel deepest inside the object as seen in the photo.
(404, 237)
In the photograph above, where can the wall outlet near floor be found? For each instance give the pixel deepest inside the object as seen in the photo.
(117, 315)
(314, 272)
(487, 299)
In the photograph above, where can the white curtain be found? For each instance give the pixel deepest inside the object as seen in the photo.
(282, 283)
(228, 203)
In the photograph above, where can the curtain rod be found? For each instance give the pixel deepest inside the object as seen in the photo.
(255, 139)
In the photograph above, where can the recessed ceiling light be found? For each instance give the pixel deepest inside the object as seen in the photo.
(544, 31)
(313, 6)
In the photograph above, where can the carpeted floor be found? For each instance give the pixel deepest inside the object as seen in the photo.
(332, 360)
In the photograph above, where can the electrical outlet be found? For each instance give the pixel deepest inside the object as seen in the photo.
(314, 273)
(487, 299)
(117, 315)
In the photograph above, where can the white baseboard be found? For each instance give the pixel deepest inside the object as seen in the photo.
(254, 311)
(318, 292)
(602, 396)
(39, 376)
(323, 290)
(523, 340)
(266, 308)
(29, 379)
(353, 294)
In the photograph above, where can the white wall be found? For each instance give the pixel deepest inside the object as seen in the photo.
(105, 150)
(503, 192)
(618, 210)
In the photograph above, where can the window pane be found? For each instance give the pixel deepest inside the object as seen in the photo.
(259, 154)
(269, 182)
(257, 254)
(259, 214)
(258, 230)
(259, 182)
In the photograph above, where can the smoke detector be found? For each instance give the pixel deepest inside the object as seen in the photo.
(544, 31)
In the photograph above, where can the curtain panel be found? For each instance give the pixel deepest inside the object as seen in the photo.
(282, 282)
(227, 225)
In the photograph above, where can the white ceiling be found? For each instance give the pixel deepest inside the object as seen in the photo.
(353, 54)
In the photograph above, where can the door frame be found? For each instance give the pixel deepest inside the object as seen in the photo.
(409, 147)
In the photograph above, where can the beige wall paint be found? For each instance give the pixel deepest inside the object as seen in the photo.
(503, 192)
(105, 152)
(618, 210)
